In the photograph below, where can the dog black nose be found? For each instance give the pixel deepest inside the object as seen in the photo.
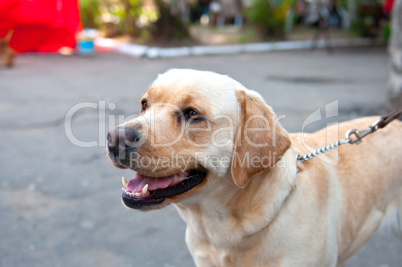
(121, 139)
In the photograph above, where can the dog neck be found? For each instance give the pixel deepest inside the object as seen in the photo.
(224, 214)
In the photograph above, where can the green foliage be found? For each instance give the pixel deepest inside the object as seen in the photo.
(124, 14)
(90, 15)
(387, 31)
(268, 16)
(247, 36)
(126, 17)
(135, 18)
(168, 27)
(343, 3)
(369, 19)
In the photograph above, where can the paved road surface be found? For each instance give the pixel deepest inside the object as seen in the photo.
(60, 203)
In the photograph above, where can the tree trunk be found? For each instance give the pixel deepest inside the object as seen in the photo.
(395, 51)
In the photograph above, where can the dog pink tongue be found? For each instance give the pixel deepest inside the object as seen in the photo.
(139, 181)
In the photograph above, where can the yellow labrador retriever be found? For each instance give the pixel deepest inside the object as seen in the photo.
(214, 148)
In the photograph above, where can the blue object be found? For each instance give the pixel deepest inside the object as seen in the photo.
(86, 47)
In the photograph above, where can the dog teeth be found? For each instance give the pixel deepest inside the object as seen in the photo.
(124, 181)
(145, 189)
(143, 193)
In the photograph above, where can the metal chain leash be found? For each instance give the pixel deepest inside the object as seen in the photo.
(359, 134)
(323, 150)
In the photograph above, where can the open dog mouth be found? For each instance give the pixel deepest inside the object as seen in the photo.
(146, 191)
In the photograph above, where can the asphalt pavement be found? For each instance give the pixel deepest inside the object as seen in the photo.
(59, 196)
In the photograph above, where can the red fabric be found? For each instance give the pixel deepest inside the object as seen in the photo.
(388, 6)
(7, 10)
(40, 25)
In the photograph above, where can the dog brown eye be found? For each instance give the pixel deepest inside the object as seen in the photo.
(144, 105)
(191, 114)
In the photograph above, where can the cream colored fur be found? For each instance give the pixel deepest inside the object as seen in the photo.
(277, 217)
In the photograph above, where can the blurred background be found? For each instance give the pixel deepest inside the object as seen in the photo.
(70, 70)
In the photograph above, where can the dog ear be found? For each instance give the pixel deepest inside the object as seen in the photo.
(260, 140)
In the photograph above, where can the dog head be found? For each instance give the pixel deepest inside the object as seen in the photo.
(197, 130)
